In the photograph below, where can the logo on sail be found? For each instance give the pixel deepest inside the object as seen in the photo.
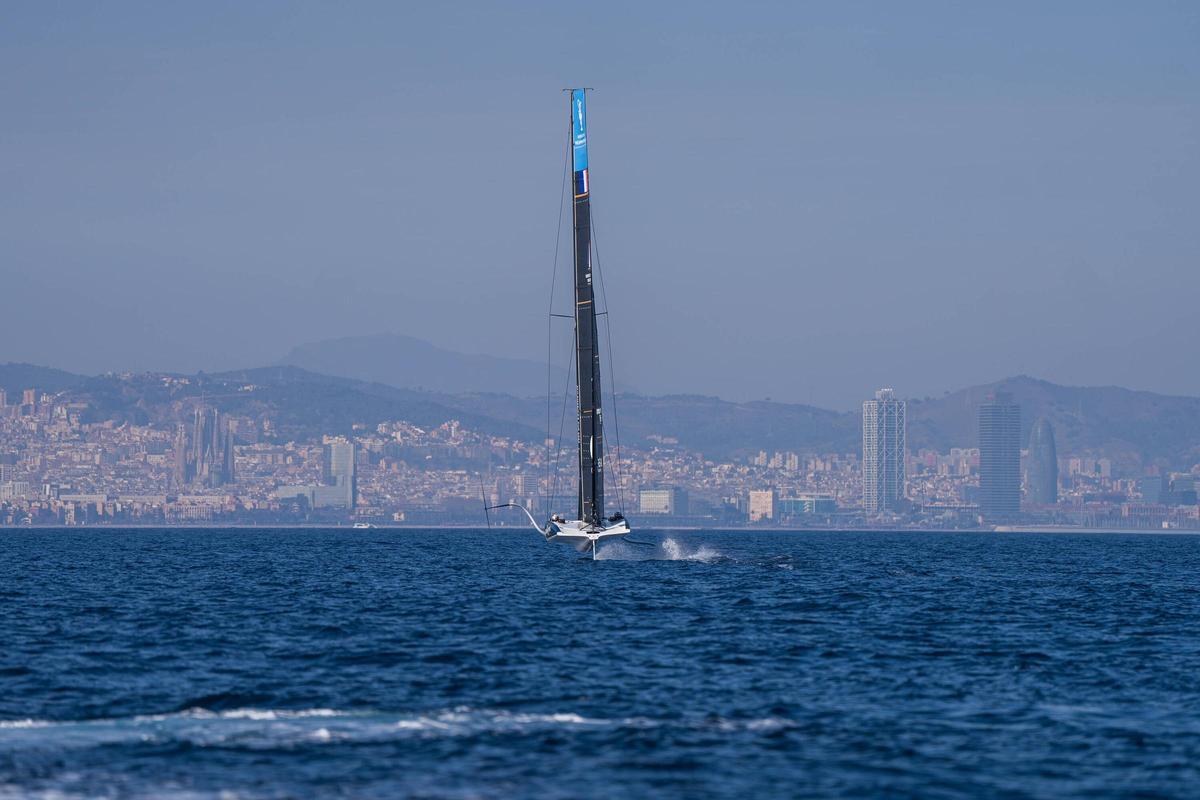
(579, 130)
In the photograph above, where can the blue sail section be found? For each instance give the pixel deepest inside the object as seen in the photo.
(579, 140)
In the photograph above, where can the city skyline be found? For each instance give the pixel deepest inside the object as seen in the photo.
(192, 459)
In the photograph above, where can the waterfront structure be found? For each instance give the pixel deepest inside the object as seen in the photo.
(807, 504)
(1042, 486)
(883, 452)
(672, 500)
(762, 504)
(999, 457)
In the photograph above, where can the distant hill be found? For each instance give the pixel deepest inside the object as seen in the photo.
(410, 363)
(305, 405)
(15, 378)
(1132, 428)
(717, 428)
(1135, 429)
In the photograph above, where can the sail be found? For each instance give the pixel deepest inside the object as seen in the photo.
(591, 439)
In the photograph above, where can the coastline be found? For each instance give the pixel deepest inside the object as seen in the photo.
(451, 527)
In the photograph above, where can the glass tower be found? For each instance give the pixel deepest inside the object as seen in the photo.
(999, 457)
(1042, 488)
(883, 452)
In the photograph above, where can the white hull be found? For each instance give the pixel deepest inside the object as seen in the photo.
(577, 533)
(582, 536)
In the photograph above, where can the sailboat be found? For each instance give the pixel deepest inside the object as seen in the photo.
(590, 526)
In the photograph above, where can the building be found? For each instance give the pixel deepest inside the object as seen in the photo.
(806, 504)
(524, 484)
(883, 452)
(338, 487)
(181, 472)
(15, 490)
(1042, 484)
(672, 500)
(1152, 488)
(999, 457)
(762, 504)
(205, 458)
(338, 471)
(228, 460)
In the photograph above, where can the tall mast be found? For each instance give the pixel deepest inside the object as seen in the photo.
(591, 440)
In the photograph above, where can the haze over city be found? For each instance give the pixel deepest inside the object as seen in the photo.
(792, 201)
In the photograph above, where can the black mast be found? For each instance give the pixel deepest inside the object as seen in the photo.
(591, 439)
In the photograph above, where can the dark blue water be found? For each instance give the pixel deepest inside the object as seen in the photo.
(475, 664)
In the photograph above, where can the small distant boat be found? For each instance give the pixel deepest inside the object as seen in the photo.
(590, 526)
(363, 526)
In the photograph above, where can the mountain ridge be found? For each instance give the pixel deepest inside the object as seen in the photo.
(1135, 428)
(408, 362)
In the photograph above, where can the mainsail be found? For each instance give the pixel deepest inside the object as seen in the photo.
(591, 438)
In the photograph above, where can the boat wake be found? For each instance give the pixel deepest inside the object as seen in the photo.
(667, 550)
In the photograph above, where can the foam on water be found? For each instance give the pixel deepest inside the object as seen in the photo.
(667, 550)
(256, 729)
(674, 551)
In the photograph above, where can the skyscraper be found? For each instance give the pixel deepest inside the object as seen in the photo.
(227, 463)
(338, 469)
(999, 457)
(883, 452)
(182, 471)
(1043, 465)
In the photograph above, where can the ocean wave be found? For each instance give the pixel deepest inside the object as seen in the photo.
(254, 728)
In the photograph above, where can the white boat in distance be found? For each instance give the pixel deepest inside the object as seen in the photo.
(591, 526)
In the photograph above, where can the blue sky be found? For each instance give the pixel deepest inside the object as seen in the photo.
(801, 201)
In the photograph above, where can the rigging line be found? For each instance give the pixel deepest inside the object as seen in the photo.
(611, 370)
(562, 423)
(562, 202)
(482, 496)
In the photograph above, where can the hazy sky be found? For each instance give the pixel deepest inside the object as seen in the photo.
(801, 201)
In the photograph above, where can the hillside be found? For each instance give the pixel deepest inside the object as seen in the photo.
(1132, 428)
(410, 363)
(304, 405)
(1135, 429)
(717, 428)
(15, 378)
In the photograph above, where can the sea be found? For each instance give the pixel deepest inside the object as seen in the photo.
(297, 663)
